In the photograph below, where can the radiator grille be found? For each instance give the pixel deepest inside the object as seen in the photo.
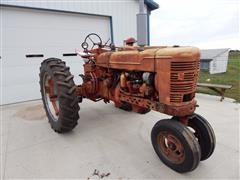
(188, 76)
(185, 66)
(175, 98)
(183, 87)
(183, 79)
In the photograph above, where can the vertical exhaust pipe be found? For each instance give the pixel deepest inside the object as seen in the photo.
(142, 30)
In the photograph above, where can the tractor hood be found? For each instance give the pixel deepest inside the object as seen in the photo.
(145, 60)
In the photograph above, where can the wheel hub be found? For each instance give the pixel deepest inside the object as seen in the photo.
(171, 147)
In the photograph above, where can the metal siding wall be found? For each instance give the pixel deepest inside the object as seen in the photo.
(123, 12)
(219, 64)
(211, 67)
(222, 62)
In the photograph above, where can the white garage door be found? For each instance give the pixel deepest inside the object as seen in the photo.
(47, 33)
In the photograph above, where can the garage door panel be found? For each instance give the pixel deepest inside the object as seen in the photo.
(14, 76)
(35, 27)
(40, 19)
(19, 75)
(76, 69)
(17, 57)
(19, 93)
(39, 37)
(28, 31)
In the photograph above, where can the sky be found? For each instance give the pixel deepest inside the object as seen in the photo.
(201, 23)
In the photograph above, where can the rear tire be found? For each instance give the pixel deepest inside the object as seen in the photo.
(58, 95)
(175, 145)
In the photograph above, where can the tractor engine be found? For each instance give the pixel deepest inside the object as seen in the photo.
(139, 84)
(97, 83)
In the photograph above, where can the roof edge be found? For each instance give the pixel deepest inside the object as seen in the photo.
(152, 5)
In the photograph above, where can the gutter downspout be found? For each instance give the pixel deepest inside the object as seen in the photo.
(142, 25)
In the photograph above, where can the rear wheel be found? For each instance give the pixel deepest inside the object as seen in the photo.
(175, 145)
(58, 95)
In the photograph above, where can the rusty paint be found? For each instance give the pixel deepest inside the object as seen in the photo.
(49, 88)
(110, 75)
(171, 147)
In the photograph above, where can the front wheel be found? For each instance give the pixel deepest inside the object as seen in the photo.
(175, 145)
(58, 95)
(204, 134)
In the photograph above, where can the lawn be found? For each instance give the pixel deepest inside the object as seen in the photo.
(231, 77)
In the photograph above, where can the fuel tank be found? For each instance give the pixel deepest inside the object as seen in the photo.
(145, 60)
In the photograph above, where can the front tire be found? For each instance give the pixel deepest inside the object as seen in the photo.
(58, 95)
(205, 135)
(175, 145)
(203, 132)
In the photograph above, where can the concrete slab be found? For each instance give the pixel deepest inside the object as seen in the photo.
(111, 141)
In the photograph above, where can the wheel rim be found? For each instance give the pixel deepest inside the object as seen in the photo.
(50, 97)
(171, 147)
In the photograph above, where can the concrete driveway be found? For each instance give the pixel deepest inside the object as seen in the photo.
(110, 142)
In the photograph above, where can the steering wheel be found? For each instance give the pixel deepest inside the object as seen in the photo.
(92, 38)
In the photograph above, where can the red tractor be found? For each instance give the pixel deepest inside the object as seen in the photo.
(139, 79)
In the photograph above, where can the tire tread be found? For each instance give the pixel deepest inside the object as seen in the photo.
(68, 100)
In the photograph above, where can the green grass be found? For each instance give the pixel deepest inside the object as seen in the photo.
(231, 77)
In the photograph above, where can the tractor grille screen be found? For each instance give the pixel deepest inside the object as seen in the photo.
(184, 66)
(183, 80)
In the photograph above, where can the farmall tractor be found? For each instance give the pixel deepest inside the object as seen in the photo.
(138, 79)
